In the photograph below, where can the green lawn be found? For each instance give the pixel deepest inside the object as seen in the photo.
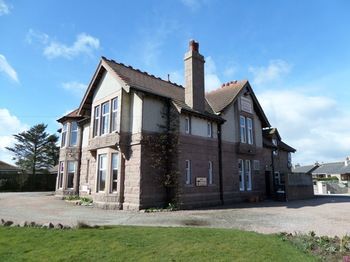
(143, 244)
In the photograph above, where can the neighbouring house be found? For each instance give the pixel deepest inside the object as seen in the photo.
(6, 168)
(137, 141)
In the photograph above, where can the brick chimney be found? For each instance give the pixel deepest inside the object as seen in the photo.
(194, 77)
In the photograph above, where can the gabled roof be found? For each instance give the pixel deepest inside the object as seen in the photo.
(267, 140)
(224, 96)
(7, 167)
(131, 78)
(269, 132)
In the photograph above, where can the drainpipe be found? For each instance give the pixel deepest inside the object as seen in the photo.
(220, 165)
(273, 173)
(80, 142)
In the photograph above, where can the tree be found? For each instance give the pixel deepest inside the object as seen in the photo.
(35, 149)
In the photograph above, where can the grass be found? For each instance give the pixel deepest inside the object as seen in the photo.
(144, 244)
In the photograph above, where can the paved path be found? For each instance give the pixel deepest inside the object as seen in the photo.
(328, 215)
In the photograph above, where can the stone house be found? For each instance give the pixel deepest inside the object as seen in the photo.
(220, 151)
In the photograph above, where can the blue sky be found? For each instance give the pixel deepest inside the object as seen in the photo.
(296, 55)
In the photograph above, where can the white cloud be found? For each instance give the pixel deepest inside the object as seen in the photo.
(315, 125)
(6, 68)
(274, 71)
(212, 80)
(75, 87)
(193, 4)
(10, 125)
(4, 8)
(229, 71)
(84, 44)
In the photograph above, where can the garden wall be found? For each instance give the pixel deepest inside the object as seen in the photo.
(27, 182)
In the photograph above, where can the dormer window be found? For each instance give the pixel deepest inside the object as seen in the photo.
(105, 118)
(187, 125)
(73, 134)
(64, 135)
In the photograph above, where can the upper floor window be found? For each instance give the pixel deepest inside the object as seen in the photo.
(242, 129)
(210, 129)
(96, 120)
(73, 134)
(64, 135)
(114, 176)
(289, 164)
(105, 118)
(187, 125)
(250, 130)
(188, 172)
(115, 114)
(210, 172)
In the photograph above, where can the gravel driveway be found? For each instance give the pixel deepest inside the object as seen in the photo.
(326, 215)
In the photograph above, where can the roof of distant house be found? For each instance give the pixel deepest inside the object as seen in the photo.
(7, 167)
(304, 169)
(332, 168)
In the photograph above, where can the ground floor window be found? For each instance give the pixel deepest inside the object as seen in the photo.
(114, 175)
(60, 175)
(279, 178)
(245, 175)
(188, 172)
(210, 172)
(101, 174)
(70, 173)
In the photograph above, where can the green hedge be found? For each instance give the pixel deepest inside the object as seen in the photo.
(27, 182)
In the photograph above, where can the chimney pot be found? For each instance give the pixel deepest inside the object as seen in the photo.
(194, 46)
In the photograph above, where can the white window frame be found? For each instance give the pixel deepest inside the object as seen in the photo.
(250, 134)
(242, 124)
(210, 172)
(71, 133)
(64, 135)
(96, 123)
(114, 114)
(69, 171)
(210, 129)
(241, 174)
(188, 170)
(113, 168)
(248, 175)
(105, 118)
(100, 170)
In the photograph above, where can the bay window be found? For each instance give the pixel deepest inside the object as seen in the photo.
(96, 121)
(73, 134)
(114, 176)
(114, 114)
(64, 135)
(60, 175)
(101, 172)
(70, 174)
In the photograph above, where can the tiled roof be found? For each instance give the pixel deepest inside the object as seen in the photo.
(146, 82)
(73, 114)
(332, 168)
(7, 167)
(304, 169)
(220, 98)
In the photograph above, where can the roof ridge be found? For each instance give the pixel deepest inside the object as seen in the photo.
(142, 72)
(228, 84)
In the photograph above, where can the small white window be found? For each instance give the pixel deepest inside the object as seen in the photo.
(187, 125)
(241, 174)
(105, 118)
(73, 134)
(114, 172)
(210, 129)
(188, 172)
(64, 135)
(210, 172)
(96, 121)
(243, 129)
(70, 174)
(250, 130)
(278, 179)
(289, 164)
(248, 173)
(115, 114)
